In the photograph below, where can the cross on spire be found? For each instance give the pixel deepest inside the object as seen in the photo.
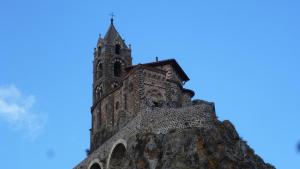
(112, 17)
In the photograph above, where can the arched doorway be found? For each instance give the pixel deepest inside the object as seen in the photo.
(118, 158)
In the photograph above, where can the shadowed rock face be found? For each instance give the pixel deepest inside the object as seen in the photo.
(217, 148)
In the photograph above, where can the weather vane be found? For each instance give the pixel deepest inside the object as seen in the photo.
(112, 17)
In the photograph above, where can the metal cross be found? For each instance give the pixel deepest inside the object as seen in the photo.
(112, 17)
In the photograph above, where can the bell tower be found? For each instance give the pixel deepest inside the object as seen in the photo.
(111, 57)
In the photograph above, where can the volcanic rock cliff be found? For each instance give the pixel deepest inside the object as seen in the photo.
(220, 147)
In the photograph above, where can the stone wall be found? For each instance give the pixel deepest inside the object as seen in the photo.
(160, 85)
(156, 121)
(161, 120)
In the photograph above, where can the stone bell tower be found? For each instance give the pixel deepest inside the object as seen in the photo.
(111, 57)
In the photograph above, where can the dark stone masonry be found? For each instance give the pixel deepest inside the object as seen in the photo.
(143, 118)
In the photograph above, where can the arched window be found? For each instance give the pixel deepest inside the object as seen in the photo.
(99, 66)
(117, 105)
(99, 69)
(98, 92)
(117, 68)
(99, 50)
(117, 49)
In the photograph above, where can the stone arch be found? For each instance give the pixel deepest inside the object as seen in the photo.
(118, 46)
(95, 164)
(117, 66)
(117, 155)
(99, 69)
(117, 69)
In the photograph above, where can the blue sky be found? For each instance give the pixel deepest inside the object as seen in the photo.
(242, 55)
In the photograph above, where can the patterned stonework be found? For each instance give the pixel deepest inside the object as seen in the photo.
(120, 88)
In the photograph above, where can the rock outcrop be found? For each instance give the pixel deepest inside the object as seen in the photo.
(220, 147)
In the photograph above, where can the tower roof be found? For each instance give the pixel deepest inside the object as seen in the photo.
(113, 35)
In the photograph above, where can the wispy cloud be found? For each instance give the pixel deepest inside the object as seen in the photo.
(16, 110)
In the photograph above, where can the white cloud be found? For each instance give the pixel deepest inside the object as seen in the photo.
(16, 110)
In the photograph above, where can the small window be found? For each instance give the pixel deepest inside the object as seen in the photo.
(117, 105)
(117, 69)
(98, 92)
(99, 66)
(117, 49)
(99, 70)
(99, 50)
